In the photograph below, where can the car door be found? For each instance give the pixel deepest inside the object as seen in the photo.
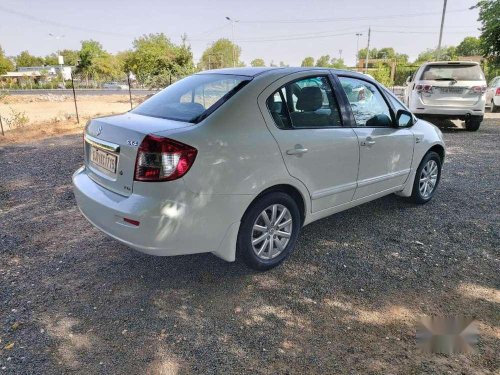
(302, 113)
(386, 151)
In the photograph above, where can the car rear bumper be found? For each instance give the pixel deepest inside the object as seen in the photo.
(187, 224)
(458, 112)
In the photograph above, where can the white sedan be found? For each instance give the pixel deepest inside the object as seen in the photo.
(236, 161)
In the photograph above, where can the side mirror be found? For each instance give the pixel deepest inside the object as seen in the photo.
(408, 80)
(404, 119)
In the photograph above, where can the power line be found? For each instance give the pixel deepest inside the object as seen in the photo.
(319, 34)
(337, 19)
(417, 32)
(59, 24)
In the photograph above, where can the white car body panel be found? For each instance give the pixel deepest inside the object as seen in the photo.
(241, 153)
(491, 96)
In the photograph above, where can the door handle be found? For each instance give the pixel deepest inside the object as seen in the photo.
(297, 150)
(368, 142)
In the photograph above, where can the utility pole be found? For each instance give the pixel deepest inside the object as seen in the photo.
(368, 50)
(438, 52)
(232, 37)
(357, 49)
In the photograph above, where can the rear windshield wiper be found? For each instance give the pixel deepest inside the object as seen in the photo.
(446, 79)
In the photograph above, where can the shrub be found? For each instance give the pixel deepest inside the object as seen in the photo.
(17, 119)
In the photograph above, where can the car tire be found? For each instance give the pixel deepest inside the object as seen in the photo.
(472, 124)
(260, 255)
(419, 194)
(494, 108)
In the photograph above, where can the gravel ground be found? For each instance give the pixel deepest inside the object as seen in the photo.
(347, 301)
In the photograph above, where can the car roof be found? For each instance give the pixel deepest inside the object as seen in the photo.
(253, 72)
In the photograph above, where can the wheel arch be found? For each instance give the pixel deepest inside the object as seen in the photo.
(438, 149)
(291, 190)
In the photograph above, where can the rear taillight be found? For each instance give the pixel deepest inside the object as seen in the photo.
(478, 89)
(162, 159)
(424, 88)
(497, 93)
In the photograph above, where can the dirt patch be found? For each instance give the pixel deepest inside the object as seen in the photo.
(346, 302)
(30, 117)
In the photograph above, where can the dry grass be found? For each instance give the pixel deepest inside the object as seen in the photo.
(53, 115)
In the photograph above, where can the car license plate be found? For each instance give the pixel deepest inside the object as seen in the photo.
(451, 90)
(103, 159)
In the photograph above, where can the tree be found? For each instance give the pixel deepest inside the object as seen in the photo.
(337, 63)
(490, 29)
(283, 65)
(431, 54)
(155, 59)
(93, 60)
(470, 46)
(70, 57)
(220, 55)
(26, 59)
(308, 62)
(373, 53)
(323, 61)
(258, 62)
(5, 64)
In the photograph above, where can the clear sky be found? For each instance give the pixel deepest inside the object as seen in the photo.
(280, 30)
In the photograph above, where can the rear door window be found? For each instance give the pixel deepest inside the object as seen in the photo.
(305, 103)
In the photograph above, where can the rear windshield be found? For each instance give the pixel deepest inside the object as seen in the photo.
(193, 98)
(447, 72)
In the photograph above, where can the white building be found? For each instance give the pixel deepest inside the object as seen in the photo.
(49, 70)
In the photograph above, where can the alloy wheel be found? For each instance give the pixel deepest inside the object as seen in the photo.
(428, 179)
(271, 231)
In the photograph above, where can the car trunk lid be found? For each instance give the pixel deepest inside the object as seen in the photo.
(111, 145)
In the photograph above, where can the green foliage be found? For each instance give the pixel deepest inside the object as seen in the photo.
(26, 59)
(155, 57)
(308, 62)
(382, 74)
(337, 63)
(94, 61)
(220, 55)
(17, 119)
(5, 64)
(431, 54)
(470, 46)
(323, 61)
(326, 62)
(51, 59)
(258, 62)
(489, 15)
(403, 72)
(384, 53)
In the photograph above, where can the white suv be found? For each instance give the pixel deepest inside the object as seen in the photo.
(448, 89)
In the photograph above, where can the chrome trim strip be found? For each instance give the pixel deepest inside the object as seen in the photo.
(369, 181)
(99, 143)
(335, 190)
